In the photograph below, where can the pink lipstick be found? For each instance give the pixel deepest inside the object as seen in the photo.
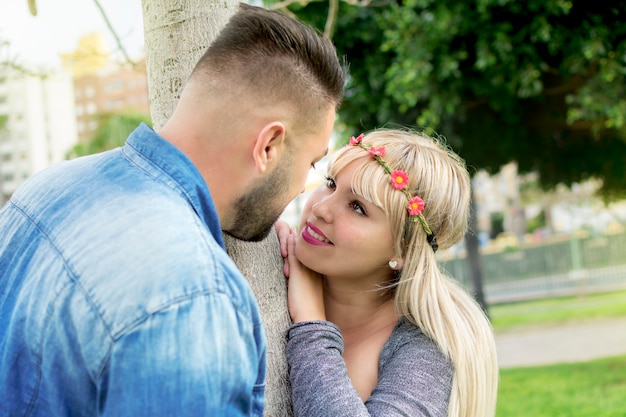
(314, 236)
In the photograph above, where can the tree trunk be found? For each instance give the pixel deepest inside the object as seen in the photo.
(176, 34)
(473, 257)
(262, 265)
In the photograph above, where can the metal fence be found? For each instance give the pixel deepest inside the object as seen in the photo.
(578, 265)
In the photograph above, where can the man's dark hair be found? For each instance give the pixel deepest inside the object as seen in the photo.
(276, 58)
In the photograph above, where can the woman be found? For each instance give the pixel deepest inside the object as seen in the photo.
(378, 329)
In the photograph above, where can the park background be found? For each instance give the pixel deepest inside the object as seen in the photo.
(530, 93)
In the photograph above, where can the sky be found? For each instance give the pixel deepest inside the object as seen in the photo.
(38, 41)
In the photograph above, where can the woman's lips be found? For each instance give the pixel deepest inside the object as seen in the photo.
(314, 236)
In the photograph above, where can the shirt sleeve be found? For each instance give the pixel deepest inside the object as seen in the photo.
(198, 357)
(415, 379)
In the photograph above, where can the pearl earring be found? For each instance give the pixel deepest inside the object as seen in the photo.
(393, 264)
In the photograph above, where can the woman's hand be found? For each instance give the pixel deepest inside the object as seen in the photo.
(283, 230)
(305, 288)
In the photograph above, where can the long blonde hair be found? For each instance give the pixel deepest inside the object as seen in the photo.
(424, 294)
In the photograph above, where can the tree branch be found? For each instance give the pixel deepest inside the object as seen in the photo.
(114, 33)
(32, 6)
(285, 3)
(333, 9)
(9, 62)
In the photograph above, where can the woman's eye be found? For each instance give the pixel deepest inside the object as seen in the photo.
(330, 183)
(356, 206)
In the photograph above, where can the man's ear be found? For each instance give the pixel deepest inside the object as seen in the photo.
(269, 145)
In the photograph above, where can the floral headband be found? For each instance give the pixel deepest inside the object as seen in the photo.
(400, 181)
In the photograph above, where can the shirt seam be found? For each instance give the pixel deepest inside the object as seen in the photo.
(72, 279)
(133, 325)
(70, 272)
(172, 183)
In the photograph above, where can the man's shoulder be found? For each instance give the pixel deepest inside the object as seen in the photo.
(155, 269)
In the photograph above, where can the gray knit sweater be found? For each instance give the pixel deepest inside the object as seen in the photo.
(414, 377)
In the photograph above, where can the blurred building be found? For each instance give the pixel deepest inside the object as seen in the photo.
(43, 116)
(37, 125)
(102, 86)
(498, 202)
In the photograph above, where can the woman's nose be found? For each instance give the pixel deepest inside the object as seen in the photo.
(322, 209)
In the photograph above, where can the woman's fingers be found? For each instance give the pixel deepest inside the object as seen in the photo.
(290, 250)
(282, 230)
(305, 289)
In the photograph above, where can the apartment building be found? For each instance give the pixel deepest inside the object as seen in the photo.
(37, 125)
(114, 90)
(102, 86)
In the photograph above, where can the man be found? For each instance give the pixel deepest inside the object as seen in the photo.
(116, 295)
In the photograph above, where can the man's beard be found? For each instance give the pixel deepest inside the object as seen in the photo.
(257, 211)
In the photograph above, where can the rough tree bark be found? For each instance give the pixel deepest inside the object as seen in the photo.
(176, 34)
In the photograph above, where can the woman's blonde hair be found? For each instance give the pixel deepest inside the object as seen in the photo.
(424, 294)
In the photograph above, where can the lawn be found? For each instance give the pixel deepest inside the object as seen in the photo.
(589, 389)
(558, 310)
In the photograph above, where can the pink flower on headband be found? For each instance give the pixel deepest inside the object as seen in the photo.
(416, 205)
(399, 179)
(357, 140)
(380, 151)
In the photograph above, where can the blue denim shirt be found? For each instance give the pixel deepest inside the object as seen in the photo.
(117, 297)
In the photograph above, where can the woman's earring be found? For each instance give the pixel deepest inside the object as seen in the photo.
(393, 264)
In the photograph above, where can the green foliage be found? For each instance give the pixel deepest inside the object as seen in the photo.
(589, 389)
(112, 132)
(497, 224)
(541, 82)
(537, 222)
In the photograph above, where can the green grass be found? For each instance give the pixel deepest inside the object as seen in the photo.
(558, 310)
(585, 389)
(588, 389)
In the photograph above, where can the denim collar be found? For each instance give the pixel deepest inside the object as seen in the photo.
(168, 164)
